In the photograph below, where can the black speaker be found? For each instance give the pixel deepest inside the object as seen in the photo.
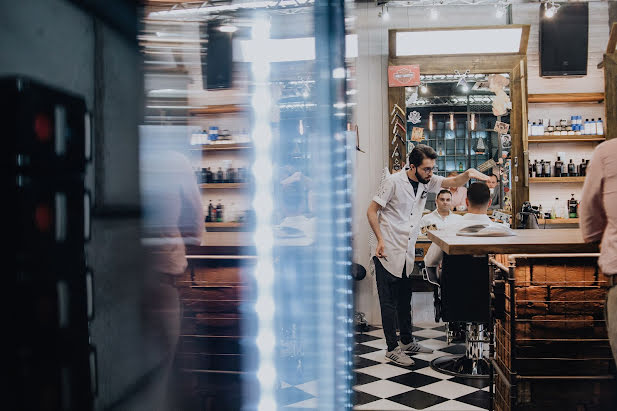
(564, 40)
(216, 65)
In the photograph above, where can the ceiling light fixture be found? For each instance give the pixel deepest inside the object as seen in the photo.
(384, 14)
(452, 121)
(423, 89)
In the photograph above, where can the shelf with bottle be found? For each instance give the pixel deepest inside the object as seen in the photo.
(575, 127)
(223, 185)
(566, 139)
(223, 147)
(220, 216)
(216, 139)
(544, 171)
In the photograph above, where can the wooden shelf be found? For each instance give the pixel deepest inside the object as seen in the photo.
(218, 109)
(225, 225)
(223, 185)
(566, 98)
(565, 139)
(222, 147)
(553, 221)
(557, 179)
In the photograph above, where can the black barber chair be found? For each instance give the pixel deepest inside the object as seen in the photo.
(462, 300)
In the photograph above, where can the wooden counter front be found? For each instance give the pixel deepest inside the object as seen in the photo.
(525, 242)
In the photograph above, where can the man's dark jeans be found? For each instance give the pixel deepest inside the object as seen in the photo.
(395, 302)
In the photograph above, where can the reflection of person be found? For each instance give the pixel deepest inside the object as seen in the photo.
(400, 203)
(459, 194)
(478, 201)
(443, 213)
(495, 192)
(599, 222)
(173, 218)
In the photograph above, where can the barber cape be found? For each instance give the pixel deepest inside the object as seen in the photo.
(434, 255)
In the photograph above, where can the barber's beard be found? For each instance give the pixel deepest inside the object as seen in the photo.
(420, 179)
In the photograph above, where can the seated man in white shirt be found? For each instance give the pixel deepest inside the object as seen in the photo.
(442, 215)
(478, 200)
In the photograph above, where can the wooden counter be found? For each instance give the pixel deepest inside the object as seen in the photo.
(525, 242)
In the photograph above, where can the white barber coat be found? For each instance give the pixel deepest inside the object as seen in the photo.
(399, 219)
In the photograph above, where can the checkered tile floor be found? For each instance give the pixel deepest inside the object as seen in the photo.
(382, 385)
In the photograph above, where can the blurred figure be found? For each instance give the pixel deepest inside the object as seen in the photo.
(599, 222)
(173, 218)
(459, 194)
(493, 187)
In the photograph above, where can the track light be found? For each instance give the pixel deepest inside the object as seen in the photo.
(452, 121)
(430, 122)
(423, 89)
(384, 14)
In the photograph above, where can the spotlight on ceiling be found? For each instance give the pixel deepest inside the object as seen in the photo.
(423, 89)
(384, 14)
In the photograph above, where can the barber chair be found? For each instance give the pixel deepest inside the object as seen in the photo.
(462, 301)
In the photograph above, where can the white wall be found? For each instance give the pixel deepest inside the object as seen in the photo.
(546, 193)
(372, 111)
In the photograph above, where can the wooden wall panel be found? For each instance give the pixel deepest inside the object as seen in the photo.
(610, 100)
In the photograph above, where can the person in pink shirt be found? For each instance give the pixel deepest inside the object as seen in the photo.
(459, 194)
(598, 221)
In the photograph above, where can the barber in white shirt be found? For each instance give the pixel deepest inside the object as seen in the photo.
(401, 202)
(443, 213)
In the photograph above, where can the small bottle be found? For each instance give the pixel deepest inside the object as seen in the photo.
(547, 169)
(540, 128)
(558, 167)
(211, 212)
(599, 127)
(460, 167)
(550, 129)
(529, 132)
(555, 208)
(573, 207)
(586, 127)
(540, 168)
(593, 127)
(220, 177)
(582, 168)
(219, 212)
(572, 169)
(534, 129)
(534, 167)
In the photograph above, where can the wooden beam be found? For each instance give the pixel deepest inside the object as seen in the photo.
(518, 130)
(612, 40)
(567, 98)
(485, 64)
(610, 88)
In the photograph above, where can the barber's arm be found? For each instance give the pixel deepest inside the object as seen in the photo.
(462, 179)
(373, 221)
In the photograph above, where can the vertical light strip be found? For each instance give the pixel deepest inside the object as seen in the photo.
(263, 206)
(473, 121)
(430, 122)
(452, 121)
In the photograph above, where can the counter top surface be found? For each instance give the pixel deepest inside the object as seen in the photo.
(525, 242)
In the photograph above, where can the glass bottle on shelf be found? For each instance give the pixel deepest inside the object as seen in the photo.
(211, 212)
(555, 208)
(573, 207)
(208, 176)
(547, 169)
(572, 169)
(220, 178)
(540, 168)
(460, 166)
(558, 167)
(219, 212)
(582, 168)
(599, 127)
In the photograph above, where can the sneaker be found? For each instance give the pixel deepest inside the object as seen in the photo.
(398, 356)
(415, 348)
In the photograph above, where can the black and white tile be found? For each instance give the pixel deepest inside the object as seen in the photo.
(382, 385)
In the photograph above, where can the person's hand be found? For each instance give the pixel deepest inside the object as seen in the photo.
(473, 173)
(379, 251)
